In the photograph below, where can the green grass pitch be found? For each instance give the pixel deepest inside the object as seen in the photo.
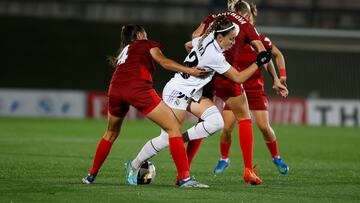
(43, 160)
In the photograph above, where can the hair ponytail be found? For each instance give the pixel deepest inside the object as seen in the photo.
(128, 34)
(221, 24)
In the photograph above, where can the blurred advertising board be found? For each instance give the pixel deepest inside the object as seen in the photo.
(287, 111)
(42, 103)
(79, 104)
(331, 112)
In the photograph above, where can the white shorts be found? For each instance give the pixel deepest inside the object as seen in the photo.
(174, 98)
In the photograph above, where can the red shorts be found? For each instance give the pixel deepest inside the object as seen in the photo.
(144, 99)
(257, 101)
(225, 88)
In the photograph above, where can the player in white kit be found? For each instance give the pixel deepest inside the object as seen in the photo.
(184, 92)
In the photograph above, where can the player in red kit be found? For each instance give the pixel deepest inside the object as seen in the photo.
(233, 94)
(132, 84)
(258, 104)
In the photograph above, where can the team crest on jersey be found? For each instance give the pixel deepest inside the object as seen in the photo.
(177, 101)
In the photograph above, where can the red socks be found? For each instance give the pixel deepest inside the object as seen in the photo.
(102, 152)
(177, 150)
(273, 148)
(246, 139)
(224, 150)
(192, 148)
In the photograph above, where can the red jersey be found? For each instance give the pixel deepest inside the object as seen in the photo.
(247, 56)
(135, 65)
(246, 34)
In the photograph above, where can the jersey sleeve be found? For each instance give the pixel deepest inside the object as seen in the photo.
(266, 42)
(219, 64)
(251, 32)
(152, 44)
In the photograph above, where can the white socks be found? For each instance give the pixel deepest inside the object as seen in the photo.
(151, 148)
(212, 122)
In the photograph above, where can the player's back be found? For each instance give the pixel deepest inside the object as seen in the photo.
(135, 62)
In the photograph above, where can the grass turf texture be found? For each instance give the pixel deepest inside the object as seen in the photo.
(45, 159)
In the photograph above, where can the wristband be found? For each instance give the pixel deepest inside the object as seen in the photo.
(282, 72)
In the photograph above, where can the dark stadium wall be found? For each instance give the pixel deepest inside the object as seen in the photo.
(72, 54)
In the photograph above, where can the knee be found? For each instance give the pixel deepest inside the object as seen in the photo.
(227, 130)
(213, 121)
(265, 129)
(174, 129)
(218, 122)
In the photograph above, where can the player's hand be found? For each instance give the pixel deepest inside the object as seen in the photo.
(199, 72)
(280, 89)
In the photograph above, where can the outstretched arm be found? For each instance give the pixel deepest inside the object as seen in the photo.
(169, 64)
(240, 77)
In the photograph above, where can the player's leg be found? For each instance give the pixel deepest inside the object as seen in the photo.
(157, 144)
(240, 108)
(211, 122)
(262, 121)
(165, 118)
(178, 103)
(225, 140)
(117, 111)
(104, 146)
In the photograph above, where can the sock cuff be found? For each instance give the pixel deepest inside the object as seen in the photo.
(225, 143)
(106, 141)
(269, 142)
(175, 139)
(245, 121)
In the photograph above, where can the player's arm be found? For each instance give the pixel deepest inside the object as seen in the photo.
(188, 46)
(170, 64)
(259, 47)
(198, 31)
(277, 85)
(240, 77)
(280, 61)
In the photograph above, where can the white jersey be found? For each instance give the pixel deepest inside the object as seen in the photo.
(208, 55)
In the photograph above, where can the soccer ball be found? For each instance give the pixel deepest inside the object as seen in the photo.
(146, 173)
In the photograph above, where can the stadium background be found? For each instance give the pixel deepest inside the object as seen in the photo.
(53, 64)
(64, 45)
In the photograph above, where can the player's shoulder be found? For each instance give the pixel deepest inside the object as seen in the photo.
(266, 41)
(147, 43)
(264, 37)
(214, 53)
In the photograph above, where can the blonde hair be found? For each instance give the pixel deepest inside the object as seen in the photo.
(254, 11)
(221, 25)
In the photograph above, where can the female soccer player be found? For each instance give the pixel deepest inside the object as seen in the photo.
(258, 104)
(233, 93)
(184, 93)
(132, 84)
